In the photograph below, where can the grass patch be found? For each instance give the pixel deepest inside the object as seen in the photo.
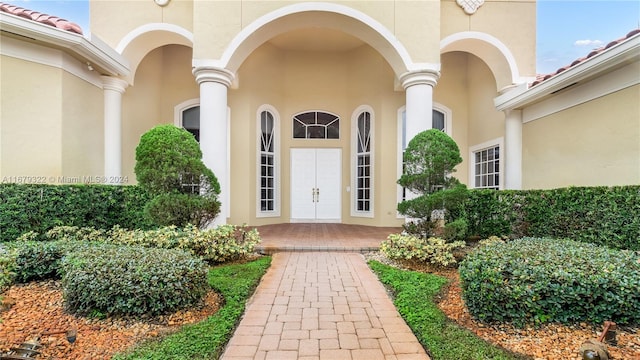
(207, 339)
(414, 298)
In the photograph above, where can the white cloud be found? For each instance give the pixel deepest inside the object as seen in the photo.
(588, 43)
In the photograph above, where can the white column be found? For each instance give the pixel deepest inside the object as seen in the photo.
(113, 89)
(214, 82)
(513, 149)
(418, 87)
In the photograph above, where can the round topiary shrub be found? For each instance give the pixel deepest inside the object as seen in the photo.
(545, 280)
(123, 280)
(169, 167)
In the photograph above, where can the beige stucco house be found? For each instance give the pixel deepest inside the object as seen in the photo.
(302, 109)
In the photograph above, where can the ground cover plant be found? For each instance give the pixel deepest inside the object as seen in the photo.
(534, 280)
(414, 294)
(207, 339)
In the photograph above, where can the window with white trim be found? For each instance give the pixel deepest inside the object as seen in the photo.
(316, 125)
(267, 162)
(364, 166)
(268, 169)
(486, 164)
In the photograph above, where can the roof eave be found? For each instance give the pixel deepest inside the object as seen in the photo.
(96, 52)
(520, 97)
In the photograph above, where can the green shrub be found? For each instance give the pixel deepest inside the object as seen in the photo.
(39, 208)
(207, 339)
(223, 243)
(132, 280)
(455, 230)
(607, 216)
(429, 161)
(36, 260)
(432, 250)
(544, 280)
(182, 209)
(169, 166)
(7, 267)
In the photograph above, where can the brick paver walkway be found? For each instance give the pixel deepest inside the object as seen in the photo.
(322, 306)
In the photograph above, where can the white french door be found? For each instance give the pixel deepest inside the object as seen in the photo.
(315, 185)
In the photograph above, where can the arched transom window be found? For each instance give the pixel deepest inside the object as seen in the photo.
(316, 125)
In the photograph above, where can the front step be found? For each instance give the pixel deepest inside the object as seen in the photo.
(268, 250)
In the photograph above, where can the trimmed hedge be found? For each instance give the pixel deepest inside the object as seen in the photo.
(607, 216)
(36, 207)
(546, 280)
(130, 280)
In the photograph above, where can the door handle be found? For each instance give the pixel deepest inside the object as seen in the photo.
(313, 194)
(317, 195)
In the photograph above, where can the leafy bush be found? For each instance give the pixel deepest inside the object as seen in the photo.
(132, 280)
(7, 267)
(432, 250)
(545, 280)
(600, 215)
(182, 209)
(223, 243)
(38, 208)
(169, 166)
(208, 338)
(37, 260)
(429, 161)
(455, 230)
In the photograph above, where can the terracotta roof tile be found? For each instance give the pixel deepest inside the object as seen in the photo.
(542, 77)
(41, 18)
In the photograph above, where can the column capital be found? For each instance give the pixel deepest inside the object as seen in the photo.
(114, 83)
(212, 73)
(420, 77)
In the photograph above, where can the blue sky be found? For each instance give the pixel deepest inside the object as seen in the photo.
(567, 30)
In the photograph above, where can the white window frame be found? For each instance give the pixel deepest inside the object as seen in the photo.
(448, 129)
(499, 142)
(354, 162)
(276, 160)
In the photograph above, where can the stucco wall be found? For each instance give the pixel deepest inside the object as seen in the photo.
(595, 143)
(113, 20)
(31, 120)
(513, 22)
(467, 87)
(82, 128)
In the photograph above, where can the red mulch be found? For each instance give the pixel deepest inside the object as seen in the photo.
(38, 307)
